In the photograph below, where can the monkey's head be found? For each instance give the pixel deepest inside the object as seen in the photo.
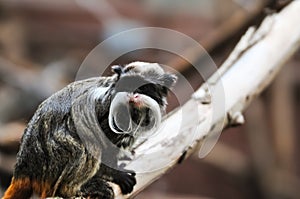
(140, 98)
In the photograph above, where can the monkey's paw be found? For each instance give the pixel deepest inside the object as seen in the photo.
(126, 180)
(97, 189)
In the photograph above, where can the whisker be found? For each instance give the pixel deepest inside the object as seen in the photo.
(139, 125)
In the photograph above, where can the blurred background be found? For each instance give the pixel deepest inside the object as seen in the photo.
(43, 43)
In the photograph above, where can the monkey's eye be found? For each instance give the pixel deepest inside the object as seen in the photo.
(151, 90)
(148, 88)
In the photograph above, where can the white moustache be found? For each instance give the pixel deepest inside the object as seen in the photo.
(120, 116)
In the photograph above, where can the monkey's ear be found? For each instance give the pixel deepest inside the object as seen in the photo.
(118, 70)
(168, 80)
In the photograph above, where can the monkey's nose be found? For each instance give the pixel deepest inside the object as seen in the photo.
(135, 100)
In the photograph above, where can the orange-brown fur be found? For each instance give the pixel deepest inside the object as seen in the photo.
(24, 187)
(43, 189)
(18, 189)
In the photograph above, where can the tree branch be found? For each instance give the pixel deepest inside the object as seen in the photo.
(250, 68)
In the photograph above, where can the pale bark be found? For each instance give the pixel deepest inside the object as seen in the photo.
(245, 74)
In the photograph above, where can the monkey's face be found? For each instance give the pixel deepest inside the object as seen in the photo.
(140, 98)
(133, 113)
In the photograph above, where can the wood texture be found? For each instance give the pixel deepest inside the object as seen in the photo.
(252, 69)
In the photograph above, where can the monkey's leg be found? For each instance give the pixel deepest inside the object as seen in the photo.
(80, 167)
(97, 188)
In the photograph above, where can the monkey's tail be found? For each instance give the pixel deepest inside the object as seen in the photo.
(19, 189)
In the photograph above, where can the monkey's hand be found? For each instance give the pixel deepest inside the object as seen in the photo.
(125, 179)
(121, 176)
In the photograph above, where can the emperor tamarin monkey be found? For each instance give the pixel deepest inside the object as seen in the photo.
(72, 143)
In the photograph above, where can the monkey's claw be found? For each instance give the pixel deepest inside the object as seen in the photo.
(126, 181)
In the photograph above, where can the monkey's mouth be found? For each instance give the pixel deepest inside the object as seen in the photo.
(126, 118)
(142, 117)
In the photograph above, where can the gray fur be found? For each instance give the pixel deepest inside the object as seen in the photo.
(68, 143)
